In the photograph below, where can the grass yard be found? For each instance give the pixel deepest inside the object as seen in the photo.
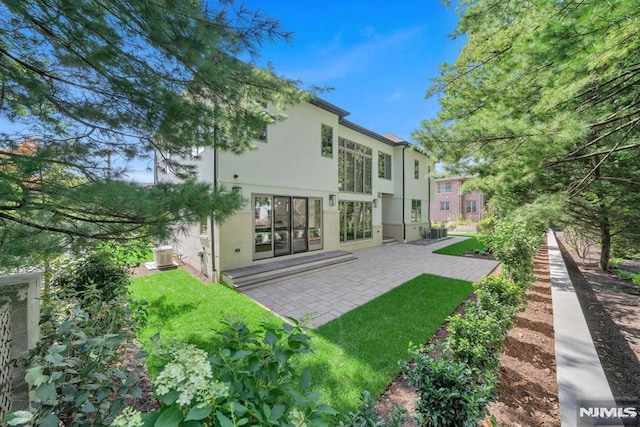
(181, 306)
(356, 352)
(458, 249)
(360, 350)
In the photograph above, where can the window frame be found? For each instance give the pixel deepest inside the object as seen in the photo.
(471, 206)
(384, 165)
(416, 210)
(444, 203)
(448, 187)
(326, 141)
(416, 169)
(354, 164)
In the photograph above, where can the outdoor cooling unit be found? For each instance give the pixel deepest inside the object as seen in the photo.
(163, 256)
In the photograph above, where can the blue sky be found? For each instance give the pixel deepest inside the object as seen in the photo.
(378, 56)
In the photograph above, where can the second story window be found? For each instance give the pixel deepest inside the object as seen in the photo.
(445, 187)
(416, 169)
(326, 136)
(384, 165)
(354, 167)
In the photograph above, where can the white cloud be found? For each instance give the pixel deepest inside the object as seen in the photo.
(334, 61)
(396, 96)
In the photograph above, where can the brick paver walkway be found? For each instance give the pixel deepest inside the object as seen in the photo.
(324, 295)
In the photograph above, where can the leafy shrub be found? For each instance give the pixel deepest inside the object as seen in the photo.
(76, 371)
(98, 270)
(129, 253)
(451, 393)
(250, 381)
(476, 338)
(514, 243)
(367, 416)
(500, 297)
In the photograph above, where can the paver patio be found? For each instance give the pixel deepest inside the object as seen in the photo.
(324, 295)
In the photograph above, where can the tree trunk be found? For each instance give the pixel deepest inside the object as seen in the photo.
(605, 240)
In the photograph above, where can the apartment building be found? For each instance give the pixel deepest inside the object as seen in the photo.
(451, 204)
(317, 182)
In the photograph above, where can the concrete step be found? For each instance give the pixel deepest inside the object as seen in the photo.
(280, 269)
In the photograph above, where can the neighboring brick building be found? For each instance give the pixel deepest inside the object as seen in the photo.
(449, 204)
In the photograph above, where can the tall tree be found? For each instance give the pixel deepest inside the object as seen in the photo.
(545, 98)
(89, 81)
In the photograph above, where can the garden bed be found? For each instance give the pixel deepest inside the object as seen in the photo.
(527, 388)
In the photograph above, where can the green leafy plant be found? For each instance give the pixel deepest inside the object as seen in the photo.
(451, 393)
(76, 372)
(513, 241)
(251, 380)
(476, 338)
(501, 297)
(100, 270)
(368, 416)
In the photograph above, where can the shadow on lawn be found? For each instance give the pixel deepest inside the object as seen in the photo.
(167, 311)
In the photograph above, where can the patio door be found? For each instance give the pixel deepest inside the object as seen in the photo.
(300, 224)
(282, 225)
(285, 225)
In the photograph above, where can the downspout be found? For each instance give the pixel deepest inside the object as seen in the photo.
(428, 197)
(404, 198)
(215, 264)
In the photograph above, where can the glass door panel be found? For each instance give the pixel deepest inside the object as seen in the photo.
(315, 224)
(263, 233)
(299, 233)
(282, 225)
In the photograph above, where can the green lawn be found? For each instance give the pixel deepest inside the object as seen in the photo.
(183, 307)
(358, 351)
(458, 249)
(361, 349)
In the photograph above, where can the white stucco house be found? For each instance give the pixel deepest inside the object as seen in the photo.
(317, 183)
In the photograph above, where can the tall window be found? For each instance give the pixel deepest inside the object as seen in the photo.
(416, 210)
(384, 165)
(326, 136)
(472, 206)
(445, 187)
(354, 167)
(355, 221)
(416, 169)
(444, 206)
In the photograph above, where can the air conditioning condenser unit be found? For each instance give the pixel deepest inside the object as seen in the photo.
(163, 256)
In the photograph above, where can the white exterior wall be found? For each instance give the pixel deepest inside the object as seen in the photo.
(290, 163)
(416, 189)
(397, 206)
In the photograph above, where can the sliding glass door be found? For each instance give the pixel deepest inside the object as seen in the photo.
(284, 225)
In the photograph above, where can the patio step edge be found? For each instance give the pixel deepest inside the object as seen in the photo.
(253, 282)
